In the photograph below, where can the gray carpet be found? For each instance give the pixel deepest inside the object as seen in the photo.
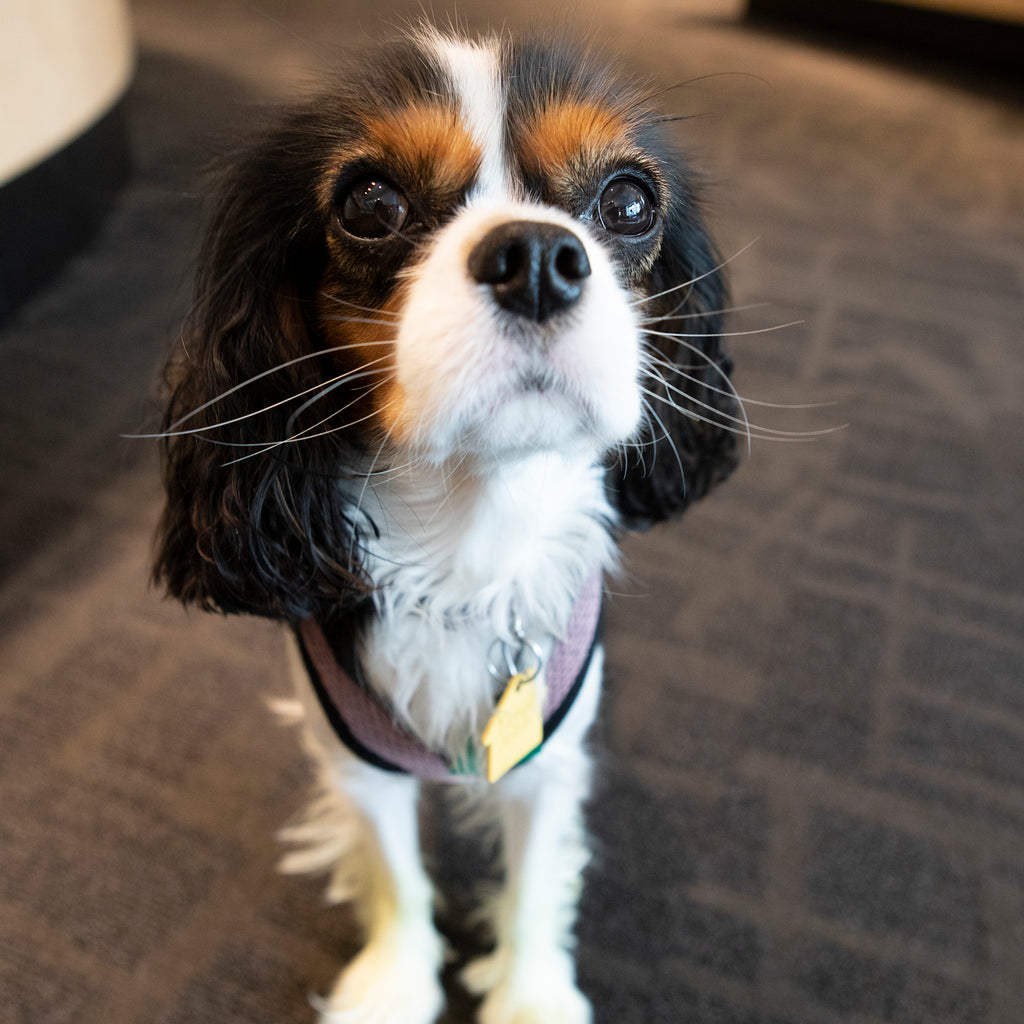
(811, 808)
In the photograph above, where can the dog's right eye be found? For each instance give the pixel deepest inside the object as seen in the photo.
(373, 208)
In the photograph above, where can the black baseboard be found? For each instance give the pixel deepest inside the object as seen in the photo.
(987, 45)
(53, 209)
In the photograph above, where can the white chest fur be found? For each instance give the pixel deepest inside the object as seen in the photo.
(458, 552)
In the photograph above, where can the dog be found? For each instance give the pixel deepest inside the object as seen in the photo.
(457, 328)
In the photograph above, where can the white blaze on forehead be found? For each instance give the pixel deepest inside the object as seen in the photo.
(475, 72)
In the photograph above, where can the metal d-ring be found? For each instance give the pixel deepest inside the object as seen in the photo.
(526, 659)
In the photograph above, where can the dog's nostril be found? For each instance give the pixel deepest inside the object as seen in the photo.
(534, 270)
(571, 262)
(507, 264)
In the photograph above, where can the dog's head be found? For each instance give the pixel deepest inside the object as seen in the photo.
(463, 251)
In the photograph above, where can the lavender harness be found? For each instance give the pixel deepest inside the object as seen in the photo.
(370, 731)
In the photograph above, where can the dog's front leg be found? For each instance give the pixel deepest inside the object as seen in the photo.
(394, 979)
(530, 976)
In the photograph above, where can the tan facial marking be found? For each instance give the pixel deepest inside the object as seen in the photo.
(568, 134)
(429, 142)
(364, 341)
(420, 146)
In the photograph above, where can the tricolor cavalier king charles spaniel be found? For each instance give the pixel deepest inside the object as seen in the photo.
(456, 329)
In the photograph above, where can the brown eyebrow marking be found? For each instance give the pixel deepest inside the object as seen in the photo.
(574, 134)
(427, 141)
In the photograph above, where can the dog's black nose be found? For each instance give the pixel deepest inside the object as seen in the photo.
(534, 269)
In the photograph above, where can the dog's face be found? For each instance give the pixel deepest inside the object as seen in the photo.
(503, 232)
(463, 251)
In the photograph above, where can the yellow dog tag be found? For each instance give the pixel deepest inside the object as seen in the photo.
(517, 726)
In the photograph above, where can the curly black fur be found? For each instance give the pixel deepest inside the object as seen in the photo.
(266, 534)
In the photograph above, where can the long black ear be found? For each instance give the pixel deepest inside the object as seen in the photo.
(687, 442)
(253, 523)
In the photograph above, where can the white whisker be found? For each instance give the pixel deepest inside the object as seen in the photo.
(448, 492)
(704, 405)
(758, 432)
(260, 444)
(721, 334)
(694, 280)
(328, 388)
(369, 473)
(703, 314)
(173, 429)
(680, 368)
(666, 436)
(341, 318)
(395, 316)
(330, 384)
(305, 435)
(725, 378)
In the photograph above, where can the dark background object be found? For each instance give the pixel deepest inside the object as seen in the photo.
(989, 44)
(53, 210)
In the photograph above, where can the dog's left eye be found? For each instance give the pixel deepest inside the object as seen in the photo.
(373, 208)
(626, 207)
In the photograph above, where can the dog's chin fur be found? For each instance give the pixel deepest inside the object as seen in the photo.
(408, 440)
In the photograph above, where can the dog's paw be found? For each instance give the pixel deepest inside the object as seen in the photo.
(387, 984)
(541, 991)
(543, 1001)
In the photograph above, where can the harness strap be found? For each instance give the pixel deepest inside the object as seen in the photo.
(366, 726)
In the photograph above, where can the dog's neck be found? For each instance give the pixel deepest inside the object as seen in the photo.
(457, 552)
